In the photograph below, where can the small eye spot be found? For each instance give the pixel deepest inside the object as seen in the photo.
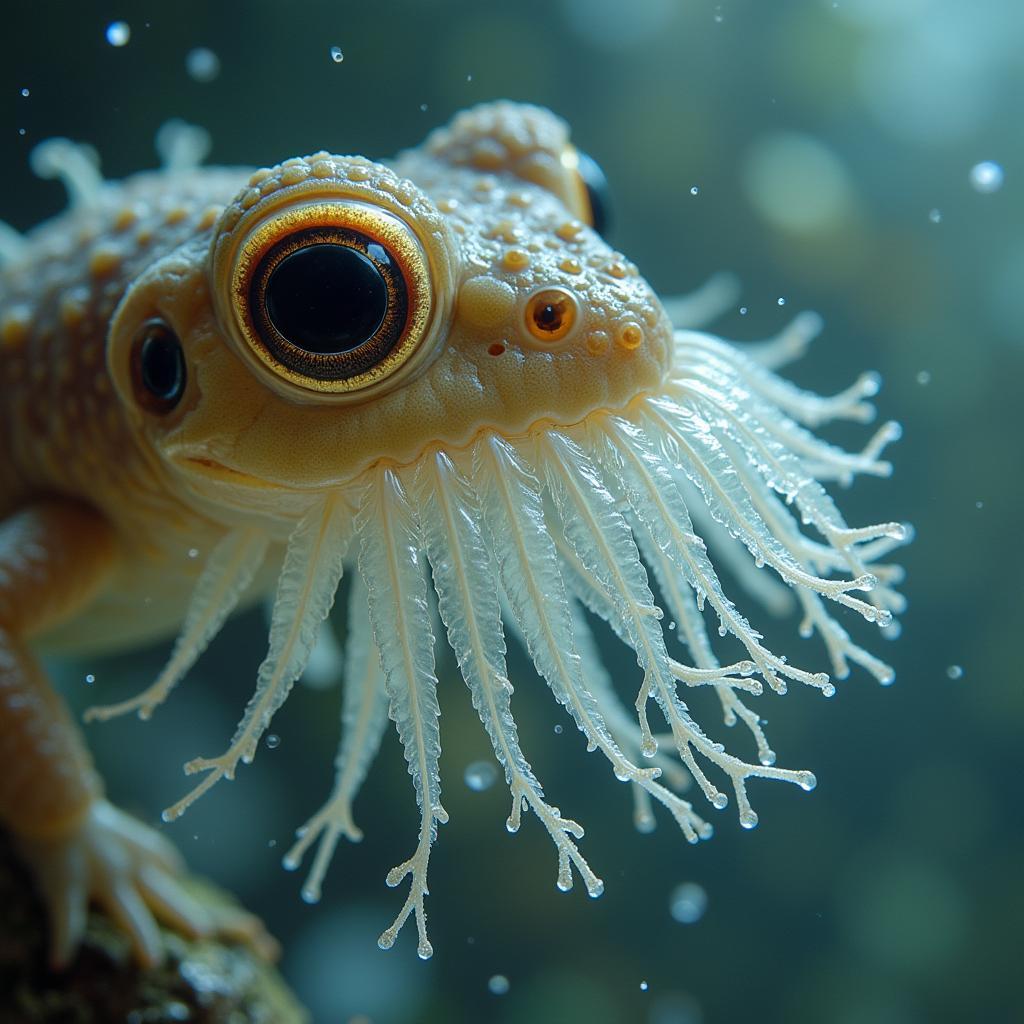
(550, 315)
(630, 336)
(158, 367)
(497, 349)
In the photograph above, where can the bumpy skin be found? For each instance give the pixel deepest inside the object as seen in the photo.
(101, 501)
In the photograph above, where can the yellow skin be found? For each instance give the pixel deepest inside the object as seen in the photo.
(115, 508)
(113, 497)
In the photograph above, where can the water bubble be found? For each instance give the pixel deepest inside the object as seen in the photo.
(90, 678)
(271, 843)
(193, 552)
(924, 377)
(469, 78)
(336, 55)
(781, 301)
(423, 108)
(935, 216)
(118, 33)
(743, 310)
(955, 672)
(25, 93)
(498, 984)
(687, 903)
(986, 177)
(202, 64)
(695, 190)
(480, 775)
(273, 741)
(979, 504)
(558, 730)
(644, 986)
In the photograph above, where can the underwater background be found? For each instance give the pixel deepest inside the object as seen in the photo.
(862, 158)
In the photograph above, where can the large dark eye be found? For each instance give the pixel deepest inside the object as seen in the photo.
(596, 185)
(333, 297)
(158, 367)
(328, 302)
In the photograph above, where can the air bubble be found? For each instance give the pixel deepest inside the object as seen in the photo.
(743, 310)
(118, 33)
(558, 730)
(687, 903)
(986, 177)
(480, 776)
(498, 985)
(193, 553)
(935, 216)
(336, 55)
(781, 301)
(202, 64)
(25, 93)
(643, 986)
(695, 190)
(90, 678)
(955, 672)
(273, 741)
(924, 377)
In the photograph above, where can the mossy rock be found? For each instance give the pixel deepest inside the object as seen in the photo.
(202, 982)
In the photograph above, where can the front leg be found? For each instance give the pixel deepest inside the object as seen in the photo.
(54, 557)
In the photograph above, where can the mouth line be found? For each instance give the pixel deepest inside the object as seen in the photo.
(211, 469)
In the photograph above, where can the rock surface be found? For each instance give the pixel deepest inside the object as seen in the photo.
(203, 982)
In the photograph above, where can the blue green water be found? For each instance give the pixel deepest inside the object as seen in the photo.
(824, 151)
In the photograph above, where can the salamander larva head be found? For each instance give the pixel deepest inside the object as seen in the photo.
(348, 311)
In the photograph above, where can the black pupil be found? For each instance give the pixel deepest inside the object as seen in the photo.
(548, 317)
(597, 192)
(162, 365)
(327, 298)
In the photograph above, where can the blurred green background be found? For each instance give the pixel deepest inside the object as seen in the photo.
(831, 145)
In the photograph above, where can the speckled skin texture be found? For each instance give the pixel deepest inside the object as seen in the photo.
(499, 211)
